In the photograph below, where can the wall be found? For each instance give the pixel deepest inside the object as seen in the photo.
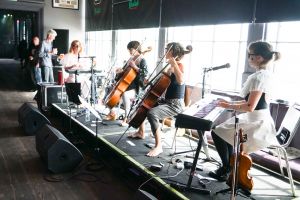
(57, 18)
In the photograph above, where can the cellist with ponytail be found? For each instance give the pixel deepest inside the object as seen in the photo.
(173, 102)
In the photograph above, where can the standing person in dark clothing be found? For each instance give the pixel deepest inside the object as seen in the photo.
(33, 60)
(22, 50)
(46, 53)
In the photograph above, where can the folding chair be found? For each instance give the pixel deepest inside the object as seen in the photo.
(285, 134)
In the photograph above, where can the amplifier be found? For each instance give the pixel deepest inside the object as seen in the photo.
(50, 93)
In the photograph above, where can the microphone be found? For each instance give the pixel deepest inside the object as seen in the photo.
(227, 65)
(86, 56)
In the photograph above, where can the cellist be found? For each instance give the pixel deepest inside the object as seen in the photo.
(174, 97)
(256, 120)
(139, 64)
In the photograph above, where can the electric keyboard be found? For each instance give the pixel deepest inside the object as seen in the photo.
(200, 115)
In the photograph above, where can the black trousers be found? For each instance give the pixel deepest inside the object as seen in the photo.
(224, 149)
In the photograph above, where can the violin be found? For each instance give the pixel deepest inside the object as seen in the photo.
(244, 164)
(127, 77)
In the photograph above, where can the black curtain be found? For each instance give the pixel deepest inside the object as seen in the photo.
(196, 12)
(136, 14)
(98, 15)
(277, 10)
(146, 13)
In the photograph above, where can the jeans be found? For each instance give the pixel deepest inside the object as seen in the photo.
(48, 74)
(37, 75)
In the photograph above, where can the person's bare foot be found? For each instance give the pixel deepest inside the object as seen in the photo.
(136, 135)
(155, 152)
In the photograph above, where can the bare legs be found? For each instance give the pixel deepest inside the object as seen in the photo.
(140, 134)
(158, 145)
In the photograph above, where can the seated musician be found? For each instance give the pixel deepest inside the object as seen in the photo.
(71, 61)
(174, 98)
(256, 120)
(139, 64)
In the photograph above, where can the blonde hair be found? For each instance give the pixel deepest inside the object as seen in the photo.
(75, 42)
(52, 32)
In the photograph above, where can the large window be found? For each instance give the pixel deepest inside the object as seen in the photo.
(99, 44)
(286, 40)
(213, 45)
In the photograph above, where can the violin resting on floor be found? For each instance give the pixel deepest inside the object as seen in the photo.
(244, 163)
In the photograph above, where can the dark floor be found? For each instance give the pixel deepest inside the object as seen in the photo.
(23, 174)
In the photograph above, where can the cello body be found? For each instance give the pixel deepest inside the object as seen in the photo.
(243, 179)
(120, 87)
(149, 100)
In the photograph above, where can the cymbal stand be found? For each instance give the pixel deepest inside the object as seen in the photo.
(94, 98)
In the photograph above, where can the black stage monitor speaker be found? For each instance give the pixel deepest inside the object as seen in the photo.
(56, 151)
(31, 119)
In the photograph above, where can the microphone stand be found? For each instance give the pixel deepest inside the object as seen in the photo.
(205, 71)
(236, 147)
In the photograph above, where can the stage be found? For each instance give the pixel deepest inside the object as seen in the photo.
(126, 156)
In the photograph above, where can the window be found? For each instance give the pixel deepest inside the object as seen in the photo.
(99, 44)
(214, 45)
(285, 38)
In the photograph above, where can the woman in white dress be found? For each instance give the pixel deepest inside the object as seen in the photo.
(256, 120)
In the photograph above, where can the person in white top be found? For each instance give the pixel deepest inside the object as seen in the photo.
(256, 120)
(71, 61)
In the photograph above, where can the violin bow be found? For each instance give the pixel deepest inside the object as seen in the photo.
(160, 61)
(135, 50)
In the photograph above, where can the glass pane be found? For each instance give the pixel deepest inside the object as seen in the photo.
(228, 32)
(289, 32)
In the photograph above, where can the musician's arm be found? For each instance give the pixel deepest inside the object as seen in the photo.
(178, 70)
(245, 106)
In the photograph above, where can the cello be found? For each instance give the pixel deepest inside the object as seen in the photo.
(149, 100)
(128, 76)
(244, 163)
(158, 86)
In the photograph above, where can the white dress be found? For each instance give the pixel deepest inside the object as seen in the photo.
(258, 125)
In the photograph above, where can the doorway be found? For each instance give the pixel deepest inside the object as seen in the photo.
(16, 30)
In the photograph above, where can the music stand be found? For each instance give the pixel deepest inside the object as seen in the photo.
(73, 91)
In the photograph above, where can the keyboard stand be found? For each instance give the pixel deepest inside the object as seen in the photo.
(202, 137)
(188, 187)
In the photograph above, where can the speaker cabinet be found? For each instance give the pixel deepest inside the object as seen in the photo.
(31, 119)
(58, 153)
